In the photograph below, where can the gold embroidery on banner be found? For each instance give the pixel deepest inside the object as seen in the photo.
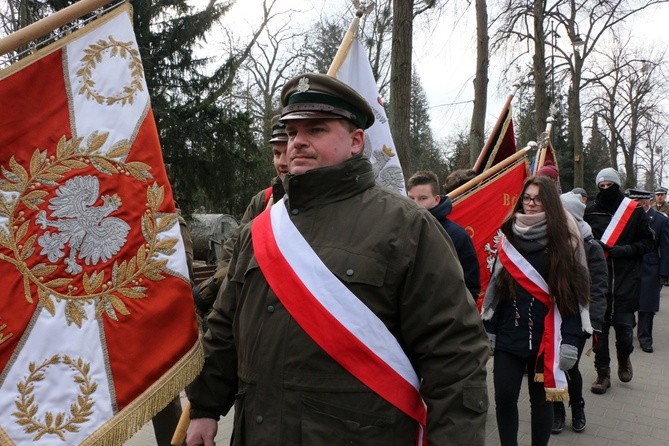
(108, 289)
(3, 336)
(54, 423)
(111, 48)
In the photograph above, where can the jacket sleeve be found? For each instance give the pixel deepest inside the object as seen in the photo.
(644, 241)
(663, 239)
(599, 283)
(212, 393)
(444, 338)
(470, 267)
(571, 329)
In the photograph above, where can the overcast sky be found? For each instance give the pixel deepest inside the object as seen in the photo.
(445, 58)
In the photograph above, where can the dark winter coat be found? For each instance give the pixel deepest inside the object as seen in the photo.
(635, 240)
(655, 263)
(464, 246)
(395, 258)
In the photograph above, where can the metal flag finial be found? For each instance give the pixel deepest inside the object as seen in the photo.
(362, 7)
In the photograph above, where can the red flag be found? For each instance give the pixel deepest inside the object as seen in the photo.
(97, 325)
(501, 143)
(482, 211)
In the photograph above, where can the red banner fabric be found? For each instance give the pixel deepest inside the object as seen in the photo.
(482, 211)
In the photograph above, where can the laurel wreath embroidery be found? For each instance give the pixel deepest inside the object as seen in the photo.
(93, 56)
(54, 423)
(23, 187)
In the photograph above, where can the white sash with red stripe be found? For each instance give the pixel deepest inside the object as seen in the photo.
(618, 221)
(333, 316)
(522, 271)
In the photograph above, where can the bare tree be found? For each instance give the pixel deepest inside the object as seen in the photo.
(631, 90)
(273, 60)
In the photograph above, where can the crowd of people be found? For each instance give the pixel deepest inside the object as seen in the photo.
(344, 311)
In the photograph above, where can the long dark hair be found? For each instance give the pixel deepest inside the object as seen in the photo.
(567, 279)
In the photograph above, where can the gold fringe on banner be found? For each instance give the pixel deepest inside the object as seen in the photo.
(131, 419)
(557, 395)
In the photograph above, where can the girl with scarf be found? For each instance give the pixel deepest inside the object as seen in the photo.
(531, 308)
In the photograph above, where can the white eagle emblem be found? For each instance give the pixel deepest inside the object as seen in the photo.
(88, 230)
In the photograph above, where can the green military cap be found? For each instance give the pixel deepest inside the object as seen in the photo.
(278, 131)
(319, 96)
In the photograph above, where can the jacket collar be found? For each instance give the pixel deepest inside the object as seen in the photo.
(441, 210)
(328, 184)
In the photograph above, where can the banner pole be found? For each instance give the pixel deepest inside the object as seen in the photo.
(44, 26)
(491, 171)
(348, 39)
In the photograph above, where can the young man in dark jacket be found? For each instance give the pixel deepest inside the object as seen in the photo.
(423, 189)
(621, 227)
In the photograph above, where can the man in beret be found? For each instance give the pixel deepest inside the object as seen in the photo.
(621, 227)
(205, 293)
(655, 269)
(660, 203)
(344, 316)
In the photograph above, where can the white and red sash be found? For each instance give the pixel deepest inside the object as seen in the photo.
(554, 378)
(618, 222)
(333, 316)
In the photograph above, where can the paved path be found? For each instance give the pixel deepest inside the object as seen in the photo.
(636, 413)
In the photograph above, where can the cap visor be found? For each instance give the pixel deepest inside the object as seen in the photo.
(308, 115)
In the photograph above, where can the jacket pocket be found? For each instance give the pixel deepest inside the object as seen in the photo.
(354, 267)
(475, 398)
(324, 423)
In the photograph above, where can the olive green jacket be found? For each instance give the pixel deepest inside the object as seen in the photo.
(396, 258)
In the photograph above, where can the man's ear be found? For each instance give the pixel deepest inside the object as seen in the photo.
(438, 198)
(357, 141)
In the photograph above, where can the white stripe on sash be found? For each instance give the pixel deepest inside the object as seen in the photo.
(336, 298)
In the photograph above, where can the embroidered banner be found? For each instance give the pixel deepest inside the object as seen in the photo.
(334, 317)
(482, 211)
(97, 325)
(379, 147)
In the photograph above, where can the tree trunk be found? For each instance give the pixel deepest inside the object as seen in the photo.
(400, 79)
(477, 127)
(539, 65)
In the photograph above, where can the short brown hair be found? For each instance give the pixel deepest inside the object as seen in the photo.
(457, 178)
(424, 177)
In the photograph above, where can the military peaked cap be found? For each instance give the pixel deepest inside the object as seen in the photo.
(278, 131)
(661, 190)
(638, 194)
(319, 96)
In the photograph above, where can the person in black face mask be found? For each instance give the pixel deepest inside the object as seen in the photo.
(620, 225)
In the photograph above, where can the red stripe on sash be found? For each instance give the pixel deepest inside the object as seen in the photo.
(620, 225)
(326, 330)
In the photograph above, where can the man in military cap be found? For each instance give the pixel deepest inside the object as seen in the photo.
(344, 314)
(655, 270)
(205, 293)
(660, 203)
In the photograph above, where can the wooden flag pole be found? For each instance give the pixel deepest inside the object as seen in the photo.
(182, 426)
(43, 27)
(349, 37)
(491, 171)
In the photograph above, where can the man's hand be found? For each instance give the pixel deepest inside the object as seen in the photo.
(202, 432)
